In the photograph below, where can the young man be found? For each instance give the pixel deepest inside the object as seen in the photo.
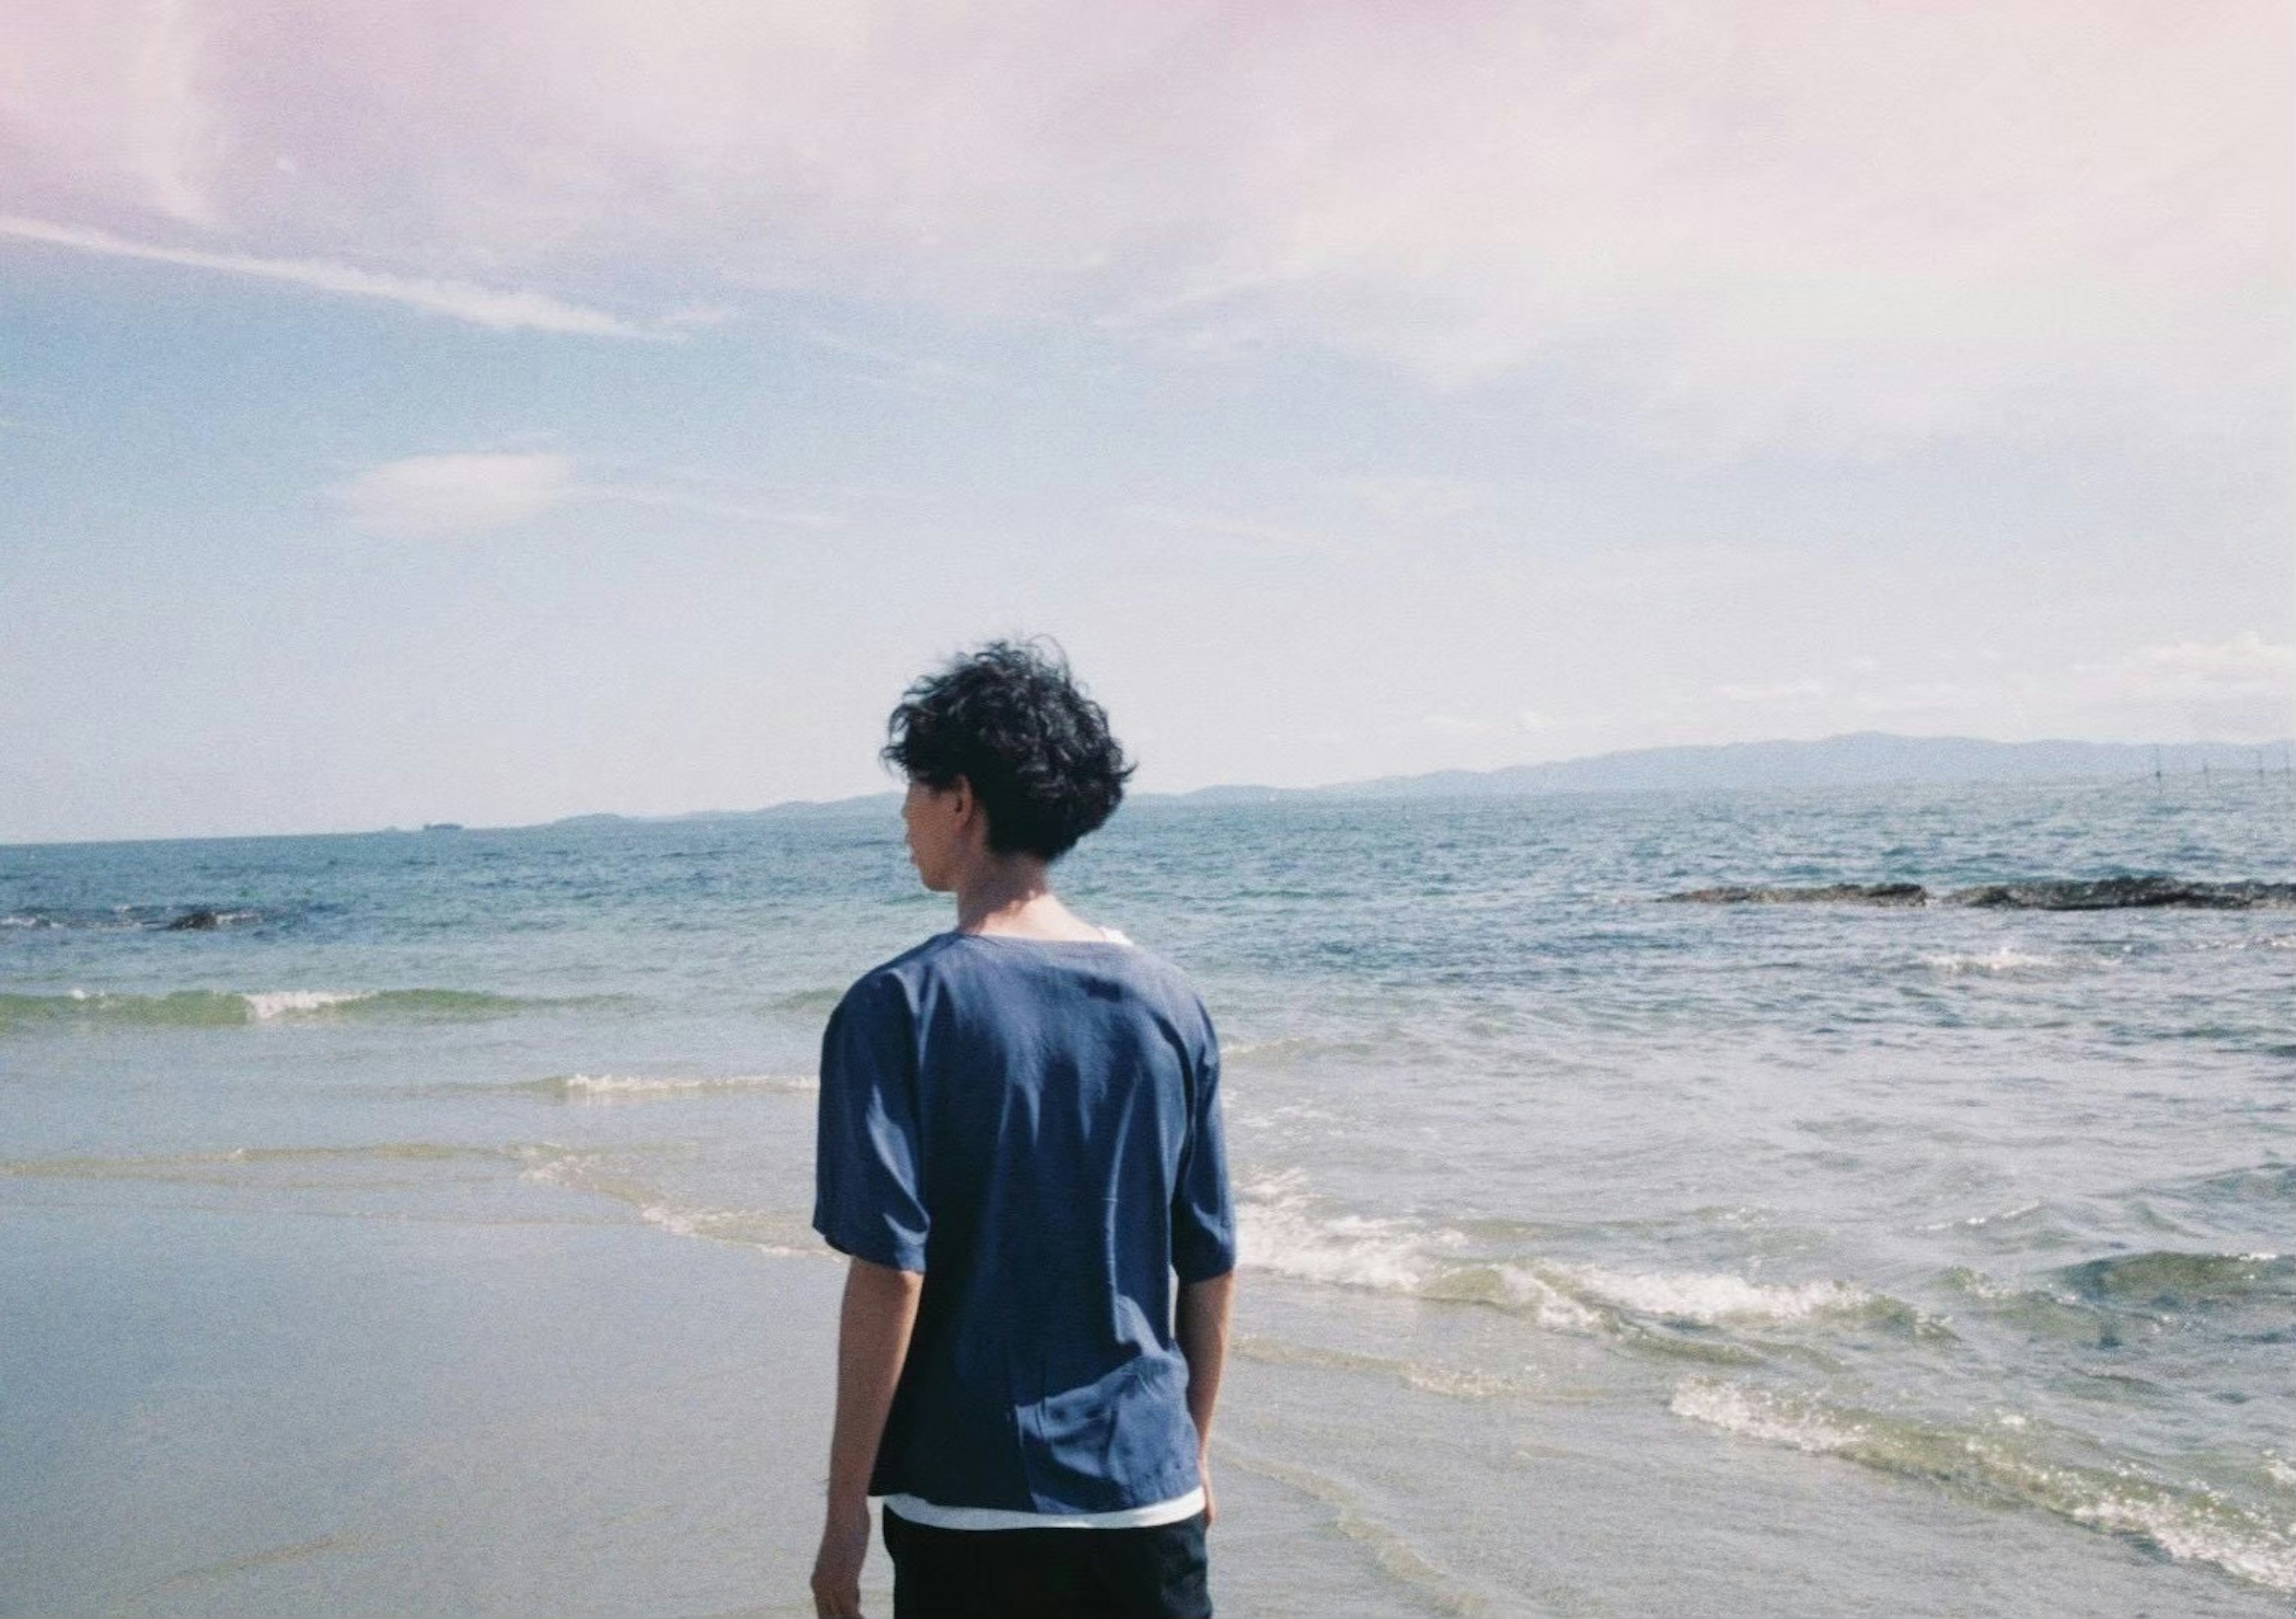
(1020, 1150)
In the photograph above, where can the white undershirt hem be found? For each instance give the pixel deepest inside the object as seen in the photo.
(997, 1518)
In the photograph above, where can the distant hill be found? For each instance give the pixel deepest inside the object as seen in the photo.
(1860, 759)
(1863, 758)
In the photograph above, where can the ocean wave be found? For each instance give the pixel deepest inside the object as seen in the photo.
(599, 1172)
(640, 1087)
(2004, 1216)
(1455, 1382)
(2166, 1279)
(2264, 1183)
(229, 1165)
(2102, 1301)
(1280, 1232)
(1712, 1300)
(211, 1008)
(1396, 1556)
(1283, 1231)
(2003, 958)
(2004, 1466)
(2261, 941)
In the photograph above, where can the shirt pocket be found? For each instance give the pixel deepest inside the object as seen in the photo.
(1108, 1441)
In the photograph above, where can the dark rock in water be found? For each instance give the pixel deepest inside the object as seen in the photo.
(2046, 894)
(1834, 893)
(2127, 893)
(195, 921)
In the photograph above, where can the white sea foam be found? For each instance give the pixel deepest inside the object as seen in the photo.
(2191, 1525)
(1278, 1231)
(1975, 1221)
(1738, 1410)
(2279, 1471)
(1710, 1299)
(741, 1227)
(2004, 959)
(2193, 1533)
(1281, 1231)
(599, 1173)
(1548, 1304)
(548, 1163)
(269, 1004)
(639, 1087)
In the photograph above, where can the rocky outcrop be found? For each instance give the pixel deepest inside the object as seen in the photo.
(1833, 894)
(2051, 893)
(2127, 894)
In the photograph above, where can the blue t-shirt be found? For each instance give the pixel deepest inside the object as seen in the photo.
(1035, 1125)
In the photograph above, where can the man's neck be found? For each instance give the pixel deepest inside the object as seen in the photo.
(1010, 894)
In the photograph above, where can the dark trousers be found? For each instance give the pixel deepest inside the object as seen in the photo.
(1048, 1574)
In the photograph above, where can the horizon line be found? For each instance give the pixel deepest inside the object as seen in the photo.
(2286, 744)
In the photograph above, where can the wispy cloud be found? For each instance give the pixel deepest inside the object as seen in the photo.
(434, 497)
(463, 300)
(1840, 229)
(2245, 665)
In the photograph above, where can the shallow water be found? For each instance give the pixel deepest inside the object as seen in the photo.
(1602, 1255)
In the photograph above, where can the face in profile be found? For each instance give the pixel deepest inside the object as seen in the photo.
(930, 817)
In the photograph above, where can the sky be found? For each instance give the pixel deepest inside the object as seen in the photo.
(490, 413)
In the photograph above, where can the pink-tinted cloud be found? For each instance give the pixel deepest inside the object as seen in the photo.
(1844, 225)
(491, 307)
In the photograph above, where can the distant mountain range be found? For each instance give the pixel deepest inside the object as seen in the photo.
(1860, 759)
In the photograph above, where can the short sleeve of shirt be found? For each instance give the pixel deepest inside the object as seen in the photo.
(1203, 1212)
(868, 1190)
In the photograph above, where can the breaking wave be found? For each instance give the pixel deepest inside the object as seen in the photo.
(1712, 1300)
(645, 1088)
(2178, 1281)
(598, 1172)
(2189, 1524)
(1282, 1232)
(211, 1008)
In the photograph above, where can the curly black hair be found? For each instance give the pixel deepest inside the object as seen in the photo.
(1008, 717)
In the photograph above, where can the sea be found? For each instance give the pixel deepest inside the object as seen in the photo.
(429, 1233)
